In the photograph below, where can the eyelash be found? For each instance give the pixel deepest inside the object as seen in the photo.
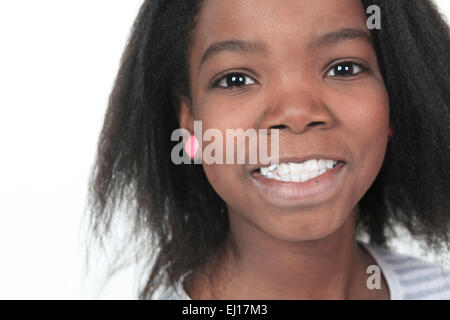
(230, 73)
(341, 63)
(227, 74)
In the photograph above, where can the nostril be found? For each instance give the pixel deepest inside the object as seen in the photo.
(280, 126)
(314, 123)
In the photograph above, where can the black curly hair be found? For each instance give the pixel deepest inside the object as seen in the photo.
(133, 165)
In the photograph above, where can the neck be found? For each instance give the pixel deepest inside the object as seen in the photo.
(261, 267)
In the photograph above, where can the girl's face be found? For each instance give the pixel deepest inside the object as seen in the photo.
(313, 74)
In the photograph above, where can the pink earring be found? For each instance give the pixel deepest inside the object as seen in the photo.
(391, 130)
(191, 146)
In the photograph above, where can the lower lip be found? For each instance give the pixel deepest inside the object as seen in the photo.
(315, 188)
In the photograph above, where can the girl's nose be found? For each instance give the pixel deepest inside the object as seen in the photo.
(297, 107)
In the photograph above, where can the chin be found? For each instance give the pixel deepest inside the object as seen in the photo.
(305, 229)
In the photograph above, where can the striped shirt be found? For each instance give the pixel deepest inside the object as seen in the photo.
(408, 278)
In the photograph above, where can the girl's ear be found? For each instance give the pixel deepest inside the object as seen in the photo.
(183, 109)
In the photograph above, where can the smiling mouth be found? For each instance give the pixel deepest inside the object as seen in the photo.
(283, 187)
(296, 172)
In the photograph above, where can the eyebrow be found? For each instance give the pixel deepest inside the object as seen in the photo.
(340, 35)
(235, 45)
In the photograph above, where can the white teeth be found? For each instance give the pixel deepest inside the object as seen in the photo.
(297, 172)
(322, 164)
(313, 174)
(296, 177)
(292, 167)
(296, 167)
(275, 177)
(283, 169)
(304, 176)
(264, 171)
(311, 165)
(330, 164)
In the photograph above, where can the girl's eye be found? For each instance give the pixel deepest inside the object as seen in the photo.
(233, 80)
(345, 69)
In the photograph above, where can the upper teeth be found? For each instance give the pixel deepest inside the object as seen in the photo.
(298, 172)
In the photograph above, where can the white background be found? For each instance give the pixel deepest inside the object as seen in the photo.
(58, 60)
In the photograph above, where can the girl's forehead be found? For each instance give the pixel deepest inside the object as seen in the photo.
(269, 21)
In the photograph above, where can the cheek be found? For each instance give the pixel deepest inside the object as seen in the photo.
(226, 179)
(372, 120)
(365, 117)
(362, 109)
(226, 182)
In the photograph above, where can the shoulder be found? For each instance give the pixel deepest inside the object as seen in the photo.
(410, 277)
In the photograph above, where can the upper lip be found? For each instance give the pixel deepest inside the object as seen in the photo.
(298, 159)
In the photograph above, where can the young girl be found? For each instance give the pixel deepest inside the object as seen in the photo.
(373, 101)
